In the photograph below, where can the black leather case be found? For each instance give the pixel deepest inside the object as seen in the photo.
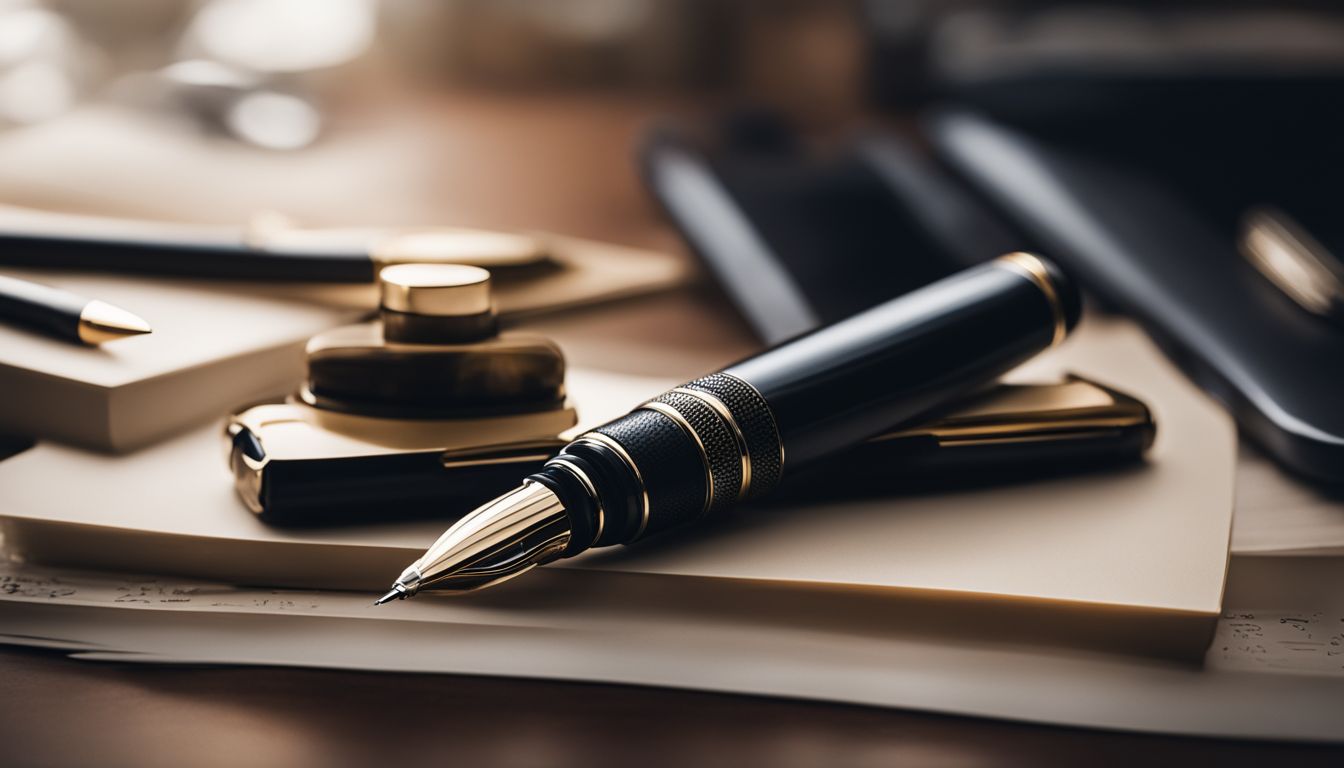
(1147, 221)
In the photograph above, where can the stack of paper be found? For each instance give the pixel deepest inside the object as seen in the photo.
(1271, 673)
(1132, 560)
(1060, 601)
(1279, 515)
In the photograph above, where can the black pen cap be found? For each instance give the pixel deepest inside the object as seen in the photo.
(836, 386)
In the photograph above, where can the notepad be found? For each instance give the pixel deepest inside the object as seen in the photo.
(211, 348)
(1132, 559)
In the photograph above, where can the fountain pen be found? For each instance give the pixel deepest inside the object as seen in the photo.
(699, 449)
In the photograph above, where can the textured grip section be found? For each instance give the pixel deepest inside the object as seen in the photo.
(668, 463)
(721, 453)
(757, 423)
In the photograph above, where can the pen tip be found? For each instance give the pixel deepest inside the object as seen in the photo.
(396, 594)
(100, 322)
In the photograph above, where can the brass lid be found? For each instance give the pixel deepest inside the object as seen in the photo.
(438, 290)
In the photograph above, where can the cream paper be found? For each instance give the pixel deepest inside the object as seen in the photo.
(1274, 670)
(1132, 559)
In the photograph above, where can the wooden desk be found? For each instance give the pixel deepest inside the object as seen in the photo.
(56, 712)
(63, 713)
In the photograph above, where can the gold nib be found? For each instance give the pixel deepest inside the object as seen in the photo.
(101, 322)
(514, 533)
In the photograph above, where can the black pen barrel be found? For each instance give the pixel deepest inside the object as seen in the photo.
(699, 449)
(40, 307)
(841, 384)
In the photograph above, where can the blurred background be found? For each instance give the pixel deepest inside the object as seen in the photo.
(210, 111)
(218, 108)
(584, 117)
(307, 105)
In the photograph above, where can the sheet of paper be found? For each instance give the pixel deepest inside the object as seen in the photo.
(1283, 615)
(1280, 515)
(1236, 693)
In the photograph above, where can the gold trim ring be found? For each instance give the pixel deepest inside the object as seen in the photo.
(619, 450)
(744, 454)
(686, 426)
(774, 425)
(1031, 267)
(587, 483)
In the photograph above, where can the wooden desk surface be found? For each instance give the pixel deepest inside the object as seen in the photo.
(57, 712)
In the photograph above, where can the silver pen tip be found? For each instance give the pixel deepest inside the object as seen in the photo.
(495, 542)
(397, 593)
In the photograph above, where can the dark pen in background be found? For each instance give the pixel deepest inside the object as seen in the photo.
(65, 315)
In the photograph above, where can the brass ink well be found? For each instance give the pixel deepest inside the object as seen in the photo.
(426, 408)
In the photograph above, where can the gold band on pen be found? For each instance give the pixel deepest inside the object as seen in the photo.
(740, 439)
(675, 416)
(615, 447)
(1030, 266)
(774, 426)
(590, 487)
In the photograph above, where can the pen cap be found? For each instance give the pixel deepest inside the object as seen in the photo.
(435, 303)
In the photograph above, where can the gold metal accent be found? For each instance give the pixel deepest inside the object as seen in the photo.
(1292, 260)
(773, 423)
(476, 247)
(1015, 413)
(1030, 266)
(488, 455)
(1047, 437)
(100, 322)
(248, 471)
(675, 415)
(439, 290)
(722, 409)
(619, 450)
(502, 539)
(588, 486)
